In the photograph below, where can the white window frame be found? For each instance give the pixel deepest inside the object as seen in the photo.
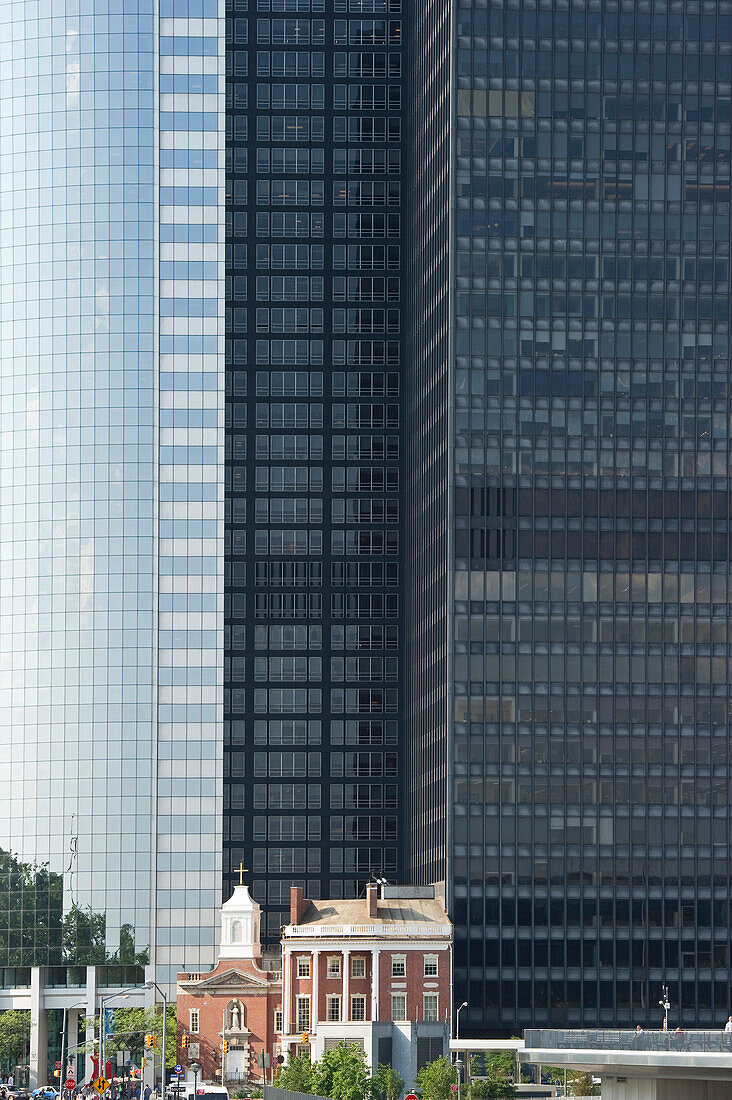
(302, 1005)
(358, 961)
(398, 999)
(360, 999)
(399, 966)
(433, 999)
(195, 1020)
(303, 966)
(333, 1008)
(279, 1021)
(432, 962)
(333, 966)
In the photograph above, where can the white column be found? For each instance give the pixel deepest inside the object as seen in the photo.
(315, 963)
(647, 1088)
(72, 1041)
(38, 1070)
(345, 1007)
(286, 991)
(375, 963)
(91, 1008)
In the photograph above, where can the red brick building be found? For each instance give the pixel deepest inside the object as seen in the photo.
(239, 1000)
(375, 971)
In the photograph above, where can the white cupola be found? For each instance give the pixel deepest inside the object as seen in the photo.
(240, 921)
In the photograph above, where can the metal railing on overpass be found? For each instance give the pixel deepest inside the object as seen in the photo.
(716, 1042)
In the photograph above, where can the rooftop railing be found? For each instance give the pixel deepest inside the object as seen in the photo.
(338, 930)
(713, 1042)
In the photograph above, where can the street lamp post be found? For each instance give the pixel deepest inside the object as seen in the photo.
(459, 1067)
(195, 1070)
(124, 993)
(457, 1019)
(665, 1005)
(150, 984)
(63, 1042)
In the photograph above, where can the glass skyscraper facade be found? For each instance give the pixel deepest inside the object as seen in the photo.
(314, 383)
(585, 724)
(365, 482)
(111, 483)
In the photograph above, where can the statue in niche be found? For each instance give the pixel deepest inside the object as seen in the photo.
(235, 1017)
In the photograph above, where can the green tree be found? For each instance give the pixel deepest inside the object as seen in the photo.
(580, 1084)
(492, 1087)
(387, 1083)
(435, 1080)
(497, 1063)
(14, 1036)
(131, 1025)
(296, 1074)
(342, 1073)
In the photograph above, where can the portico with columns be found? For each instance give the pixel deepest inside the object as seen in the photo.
(374, 971)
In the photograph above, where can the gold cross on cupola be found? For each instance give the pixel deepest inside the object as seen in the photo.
(241, 870)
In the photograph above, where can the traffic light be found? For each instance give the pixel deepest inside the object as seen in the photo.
(185, 1040)
(226, 1046)
(151, 1040)
(305, 1037)
(143, 1062)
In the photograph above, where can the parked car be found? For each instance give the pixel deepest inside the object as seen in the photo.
(10, 1092)
(45, 1092)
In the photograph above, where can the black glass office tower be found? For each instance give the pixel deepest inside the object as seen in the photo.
(568, 503)
(314, 382)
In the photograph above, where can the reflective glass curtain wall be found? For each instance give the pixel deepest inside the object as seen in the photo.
(589, 505)
(110, 373)
(314, 365)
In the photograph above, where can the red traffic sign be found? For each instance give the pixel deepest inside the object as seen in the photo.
(69, 1083)
(454, 1088)
(411, 1096)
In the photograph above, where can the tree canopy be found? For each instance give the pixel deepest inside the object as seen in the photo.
(341, 1074)
(14, 1036)
(387, 1084)
(131, 1025)
(435, 1080)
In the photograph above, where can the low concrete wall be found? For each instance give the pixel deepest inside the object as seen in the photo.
(273, 1093)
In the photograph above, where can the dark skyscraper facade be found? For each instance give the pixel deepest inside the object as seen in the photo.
(568, 555)
(314, 381)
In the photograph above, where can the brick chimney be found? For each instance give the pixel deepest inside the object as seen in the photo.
(371, 895)
(298, 904)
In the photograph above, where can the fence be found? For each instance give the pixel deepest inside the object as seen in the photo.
(273, 1093)
(714, 1042)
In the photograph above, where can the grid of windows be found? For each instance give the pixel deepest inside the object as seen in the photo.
(111, 491)
(314, 287)
(589, 411)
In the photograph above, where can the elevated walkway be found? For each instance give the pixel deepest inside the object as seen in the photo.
(645, 1065)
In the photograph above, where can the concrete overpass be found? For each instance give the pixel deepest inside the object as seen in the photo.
(646, 1065)
(40, 997)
